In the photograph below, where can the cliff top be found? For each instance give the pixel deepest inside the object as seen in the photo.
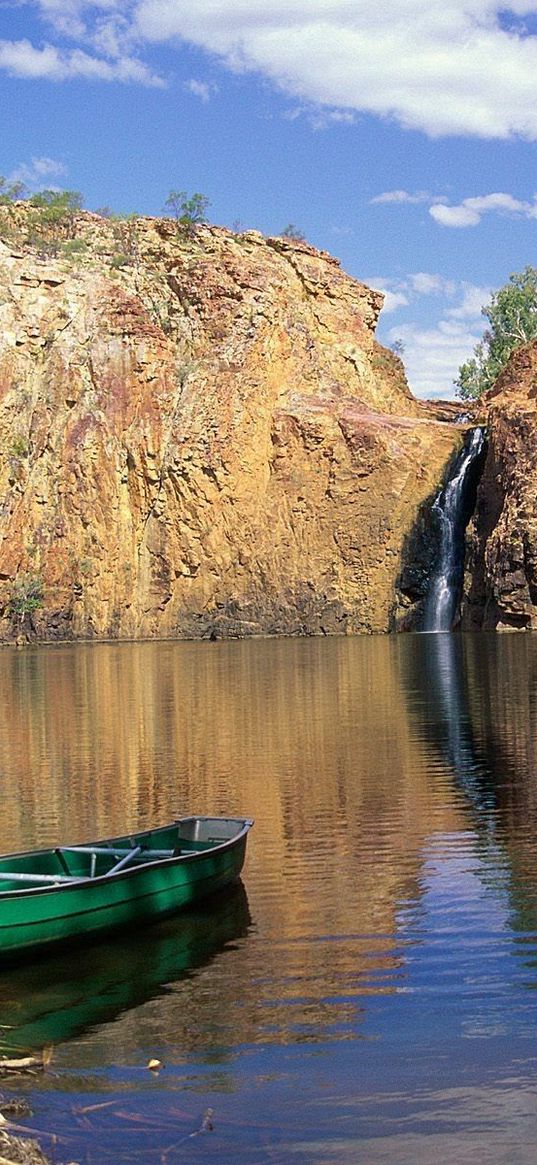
(204, 279)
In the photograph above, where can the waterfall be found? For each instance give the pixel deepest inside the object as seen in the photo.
(452, 510)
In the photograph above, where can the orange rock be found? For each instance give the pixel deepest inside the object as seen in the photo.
(204, 441)
(501, 585)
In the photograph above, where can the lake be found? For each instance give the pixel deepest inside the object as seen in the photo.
(369, 993)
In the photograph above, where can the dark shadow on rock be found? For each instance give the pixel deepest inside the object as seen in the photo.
(419, 553)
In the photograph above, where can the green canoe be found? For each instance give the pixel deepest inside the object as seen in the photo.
(47, 896)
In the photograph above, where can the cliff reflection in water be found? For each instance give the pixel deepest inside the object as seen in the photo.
(354, 757)
(312, 738)
(376, 999)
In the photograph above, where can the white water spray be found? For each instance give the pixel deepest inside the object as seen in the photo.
(450, 510)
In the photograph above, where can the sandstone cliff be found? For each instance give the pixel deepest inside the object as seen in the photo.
(200, 436)
(501, 585)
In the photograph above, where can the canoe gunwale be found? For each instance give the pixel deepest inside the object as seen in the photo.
(82, 882)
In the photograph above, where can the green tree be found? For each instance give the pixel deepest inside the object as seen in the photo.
(512, 315)
(293, 232)
(57, 205)
(10, 191)
(27, 596)
(53, 218)
(189, 211)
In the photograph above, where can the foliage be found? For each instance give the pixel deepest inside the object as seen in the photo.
(52, 218)
(120, 259)
(74, 247)
(512, 315)
(398, 348)
(10, 191)
(27, 595)
(188, 210)
(19, 447)
(293, 232)
(125, 236)
(57, 203)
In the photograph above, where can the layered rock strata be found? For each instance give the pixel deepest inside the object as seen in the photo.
(200, 436)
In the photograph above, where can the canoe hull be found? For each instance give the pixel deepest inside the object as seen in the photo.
(33, 919)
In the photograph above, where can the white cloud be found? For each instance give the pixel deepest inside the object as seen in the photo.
(21, 59)
(400, 291)
(443, 68)
(37, 172)
(199, 89)
(473, 301)
(393, 300)
(467, 213)
(423, 283)
(455, 216)
(433, 356)
(470, 211)
(464, 67)
(403, 196)
(433, 349)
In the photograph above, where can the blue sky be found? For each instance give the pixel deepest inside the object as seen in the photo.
(400, 137)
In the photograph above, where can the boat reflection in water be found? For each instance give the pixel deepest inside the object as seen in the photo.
(56, 998)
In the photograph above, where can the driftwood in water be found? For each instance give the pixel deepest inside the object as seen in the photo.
(25, 1064)
(16, 1151)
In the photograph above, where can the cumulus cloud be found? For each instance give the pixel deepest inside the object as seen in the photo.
(467, 213)
(434, 348)
(472, 303)
(21, 59)
(424, 283)
(416, 284)
(470, 211)
(199, 89)
(38, 172)
(467, 67)
(104, 49)
(460, 68)
(393, 300)
(399, 196)
(433, 356)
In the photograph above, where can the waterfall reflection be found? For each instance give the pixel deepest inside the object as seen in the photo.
(478, 703)
(438, 668)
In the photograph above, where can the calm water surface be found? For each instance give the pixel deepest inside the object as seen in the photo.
(369, 994)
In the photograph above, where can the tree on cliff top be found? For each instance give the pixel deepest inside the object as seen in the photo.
(512, 315)
(189, 211)
(10, 191)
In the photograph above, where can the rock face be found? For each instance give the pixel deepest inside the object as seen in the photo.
(501, 584)
(200, 436)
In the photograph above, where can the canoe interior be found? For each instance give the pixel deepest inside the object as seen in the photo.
(64, 864)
